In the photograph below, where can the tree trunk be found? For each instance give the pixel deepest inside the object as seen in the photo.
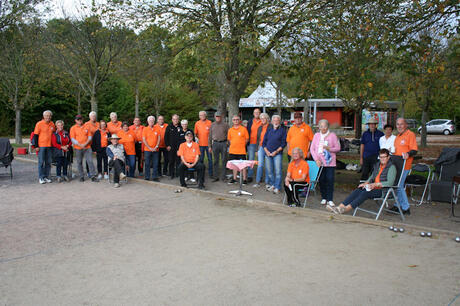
(359, 121)
(93, 102)
(423, 132)
(402, 111)
(136, 106)
(233, 102)
(79, 101)
(306, 112)
(17, 129)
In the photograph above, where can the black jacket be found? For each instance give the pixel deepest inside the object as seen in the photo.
(182, 135)
(172, 136)
(96, 141)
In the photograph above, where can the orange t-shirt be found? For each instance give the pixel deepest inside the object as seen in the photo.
(377, 178)
(113, 128)
(80, 134)
(299, 137)
(254, 127)
(44, 131)
(189, 153)
(202, 131)
(238, 138)
(404, 143)
(297, 171)
(262, 134)
(151, 137)
(92, 127)
(128, 140)
(162, 130)
(137, 131)
(104, 139)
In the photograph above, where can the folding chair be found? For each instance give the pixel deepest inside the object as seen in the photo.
(388, 191)
(314, 173)
(6, 155)
(413, 181)
(191, 174)
(111, 174)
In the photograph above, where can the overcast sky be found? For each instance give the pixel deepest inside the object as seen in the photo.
(69, 8)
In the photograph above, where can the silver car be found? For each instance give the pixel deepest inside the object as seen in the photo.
(439, 126)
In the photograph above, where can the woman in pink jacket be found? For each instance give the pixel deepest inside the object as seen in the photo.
(323, 149)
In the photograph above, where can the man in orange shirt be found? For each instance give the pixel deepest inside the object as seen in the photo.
(189, 153)
(300, 136)
(151, 139)
(253, 127)
(137, 128)
(114, 125)
(238, 138)
(128, 140)
(92, 125)
(161, 125)
(202, 128)
(43, 132)
(406, 147)
(297, 173)
(81, 139)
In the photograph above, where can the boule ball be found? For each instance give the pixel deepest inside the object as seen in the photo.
(457, 239)
(401, 229)
(422, 234)
(428, 234)
(390, 228)
(395, 229)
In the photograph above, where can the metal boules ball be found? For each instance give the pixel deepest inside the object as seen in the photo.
(428, 234)
(401, 229)
(422, 234)
(457, 239)
(390, 228)
(395, 229)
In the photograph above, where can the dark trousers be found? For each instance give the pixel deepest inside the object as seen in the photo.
(293, 196)
(326, 183)
(118, 167)
(199, 167)
(358, 196)
(368, 165)
(219, 152)
(163, 170)
(61, 164)
(174, 162)
(205, 150)
(101, 158)
(139, 157)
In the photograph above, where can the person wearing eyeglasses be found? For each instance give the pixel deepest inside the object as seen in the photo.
(383, 175)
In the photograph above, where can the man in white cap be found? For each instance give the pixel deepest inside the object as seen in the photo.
(117, 161)
(369, 149)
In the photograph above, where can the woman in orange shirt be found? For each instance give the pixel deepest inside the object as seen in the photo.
(128, 140)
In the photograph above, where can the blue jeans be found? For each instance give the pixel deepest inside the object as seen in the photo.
(251, 156)
(151, 160)
(326, 183)
(260, 167)
(401, 193)
(44, 162)
(131, 162)
(202, 152)
(358, 196)
(274, 166)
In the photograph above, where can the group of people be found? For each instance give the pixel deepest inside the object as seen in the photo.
(174, 150)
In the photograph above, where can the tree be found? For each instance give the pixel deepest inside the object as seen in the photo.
(241, 33)
(13, 11)
(19, 68)
(86, 50)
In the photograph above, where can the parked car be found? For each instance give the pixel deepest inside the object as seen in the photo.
(439, 126)
(412, 123)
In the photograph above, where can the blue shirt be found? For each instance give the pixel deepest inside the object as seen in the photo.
(371, 142)
(274, 138)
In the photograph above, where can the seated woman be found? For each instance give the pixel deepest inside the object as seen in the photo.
(116, 154)
(383, 175)
(297, 173)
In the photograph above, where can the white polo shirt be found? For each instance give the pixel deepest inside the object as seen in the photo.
(387, 143)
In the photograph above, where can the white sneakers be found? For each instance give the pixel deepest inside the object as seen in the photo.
(41, 181)
(116, 185)
(269, 188)
(122, 176)
(99, 176)
(48, 180)
(192, 180)
(329, 203)
(276, 191)
(256, 185)
(106, 176)
(44, 180)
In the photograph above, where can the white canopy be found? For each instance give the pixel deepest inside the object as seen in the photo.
(266, 96)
